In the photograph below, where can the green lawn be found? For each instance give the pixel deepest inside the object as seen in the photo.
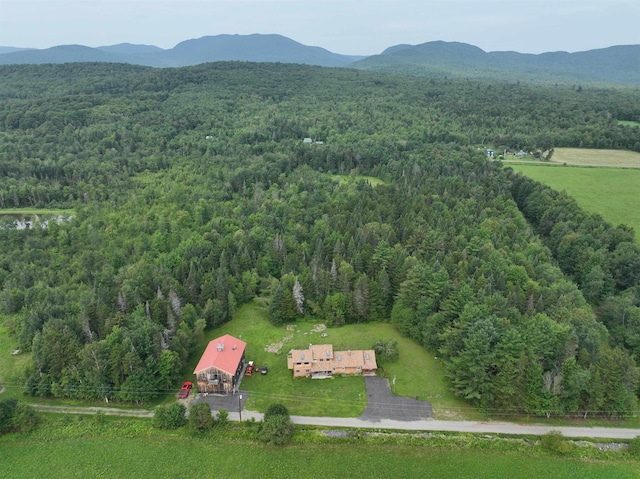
(614, 193)
(10, 365)
(70, 448)
(418, 373)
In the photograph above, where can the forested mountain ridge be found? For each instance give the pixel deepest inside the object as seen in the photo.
(194, 192)
(252, 48)
(616, 64)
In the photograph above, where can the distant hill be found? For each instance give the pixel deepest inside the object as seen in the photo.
(251, 48)
(617, 64)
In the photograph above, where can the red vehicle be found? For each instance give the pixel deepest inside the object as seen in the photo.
(249, 371)
(186, 388)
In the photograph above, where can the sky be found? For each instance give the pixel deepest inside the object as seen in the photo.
(350, 27)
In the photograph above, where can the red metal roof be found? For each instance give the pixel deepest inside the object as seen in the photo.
(223, 353)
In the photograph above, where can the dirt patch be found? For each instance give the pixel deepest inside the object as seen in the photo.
(276, 347)
(317, 328)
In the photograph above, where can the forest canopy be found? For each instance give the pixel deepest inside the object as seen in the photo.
(193, 191)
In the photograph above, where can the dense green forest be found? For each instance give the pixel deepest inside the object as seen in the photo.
(194, 192)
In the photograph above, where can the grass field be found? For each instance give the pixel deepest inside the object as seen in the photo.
(68, 448)
(629, 123)
(10, 365)
(613, 193)
(418, 373)
(583, 156)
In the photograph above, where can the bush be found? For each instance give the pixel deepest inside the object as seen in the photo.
(169, 417)
(200, 418)
(17, 416)
(222, 418)
(277, 430)
(386, 350)
(554, 442)
(277, 427)
(634, 448)
(276, 409)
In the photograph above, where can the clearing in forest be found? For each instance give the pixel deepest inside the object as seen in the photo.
(588, 157)
(418, 373)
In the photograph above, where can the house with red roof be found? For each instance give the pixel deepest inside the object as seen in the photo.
(221, 365)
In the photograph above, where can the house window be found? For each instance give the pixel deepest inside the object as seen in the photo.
(367, 356)
(302, 356)
(306, 362)
(358, 367)
(339, 357)
(298, 364)
(307, 370)
(321, 359)
(297, 371)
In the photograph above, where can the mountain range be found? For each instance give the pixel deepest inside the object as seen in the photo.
(616, 64)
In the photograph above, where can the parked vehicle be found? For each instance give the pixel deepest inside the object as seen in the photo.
(249, 370)
(186, 388)
(264, 370)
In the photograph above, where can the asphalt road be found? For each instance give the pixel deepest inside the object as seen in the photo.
(418, 425)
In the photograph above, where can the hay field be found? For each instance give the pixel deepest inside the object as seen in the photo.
(612, 192)
(588, 157)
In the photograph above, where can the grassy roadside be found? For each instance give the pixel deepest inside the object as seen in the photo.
(67, 446)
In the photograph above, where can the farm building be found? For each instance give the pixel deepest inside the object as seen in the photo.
(321, 361)
(221, 365)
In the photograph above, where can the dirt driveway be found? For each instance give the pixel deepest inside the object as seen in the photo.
(382, 404)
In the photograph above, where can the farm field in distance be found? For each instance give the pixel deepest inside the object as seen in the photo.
(596, 157)
(614, 193)
(418, 373)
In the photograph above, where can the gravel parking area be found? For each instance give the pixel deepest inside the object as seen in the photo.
(229, 402)
(382, 404)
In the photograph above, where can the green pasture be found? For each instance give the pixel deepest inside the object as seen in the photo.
(70, 447)
(613, 193)
(629, 123)
(10, 365)
(418, 374)
(372, 180)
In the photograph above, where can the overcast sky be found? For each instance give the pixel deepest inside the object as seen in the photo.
(354, 27)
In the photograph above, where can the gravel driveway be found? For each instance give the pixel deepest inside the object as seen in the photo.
(382, 404)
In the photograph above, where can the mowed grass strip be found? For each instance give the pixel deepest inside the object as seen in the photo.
(10, 365)
(418, 374)
(134, 449)
(613, 193)
(584, 156)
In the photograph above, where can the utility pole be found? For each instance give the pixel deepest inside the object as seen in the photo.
(240, 406)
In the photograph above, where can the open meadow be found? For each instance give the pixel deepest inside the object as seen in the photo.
(418, 374)
(88, 447)
(596, 157)
(614, 193)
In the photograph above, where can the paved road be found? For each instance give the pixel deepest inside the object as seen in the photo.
(420, 425)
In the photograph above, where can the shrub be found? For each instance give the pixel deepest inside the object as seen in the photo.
(276, 409)
(386, 350)
(277, 427)
(200, 418)
(17, 416)
(222, 418)
(169, 417)
(554, 442)
(277, 430)
(634, 448)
